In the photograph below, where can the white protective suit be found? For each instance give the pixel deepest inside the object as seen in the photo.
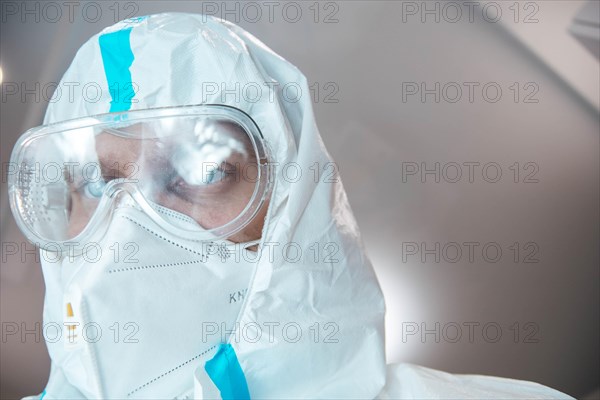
(185, 59)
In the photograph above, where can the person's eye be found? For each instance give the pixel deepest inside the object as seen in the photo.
(214, 181)
(212, 178)
(93, 189)
(215, 176)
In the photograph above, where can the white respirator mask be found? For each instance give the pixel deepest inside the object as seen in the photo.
(140, 314)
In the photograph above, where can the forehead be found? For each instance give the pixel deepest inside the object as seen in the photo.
(158, 136)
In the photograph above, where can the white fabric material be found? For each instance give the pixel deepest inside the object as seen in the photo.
(204, 388)
(408, 381)
(183, 59)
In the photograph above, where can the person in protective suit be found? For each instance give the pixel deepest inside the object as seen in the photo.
(195, 245)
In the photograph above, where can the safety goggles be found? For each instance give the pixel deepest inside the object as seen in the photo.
(200, 172)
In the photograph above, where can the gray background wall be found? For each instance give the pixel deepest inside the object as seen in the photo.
(372, 133)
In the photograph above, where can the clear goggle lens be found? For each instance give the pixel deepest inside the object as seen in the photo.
(206, 163)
